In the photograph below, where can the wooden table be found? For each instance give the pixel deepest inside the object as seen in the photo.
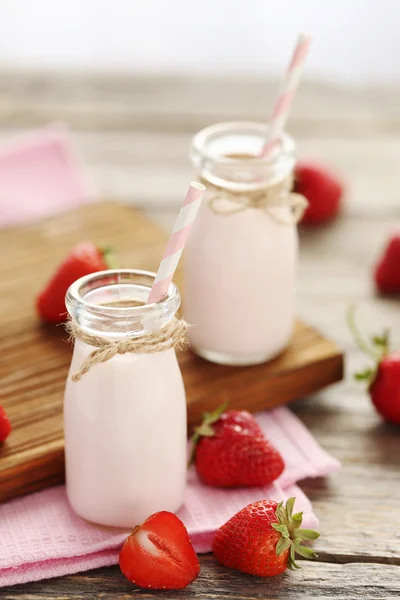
(133, 135)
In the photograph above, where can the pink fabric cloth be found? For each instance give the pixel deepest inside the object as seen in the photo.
(41, 537)
(40, 175)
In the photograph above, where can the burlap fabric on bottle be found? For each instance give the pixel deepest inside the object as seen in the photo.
(267, 198)
(172, 335)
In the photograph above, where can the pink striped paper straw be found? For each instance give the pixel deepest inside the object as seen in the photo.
(287, 93)
(177, 241)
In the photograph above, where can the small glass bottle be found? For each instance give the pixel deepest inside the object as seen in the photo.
(125, 419)
(241, 257)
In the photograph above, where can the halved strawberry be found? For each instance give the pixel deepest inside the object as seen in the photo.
(159, 555)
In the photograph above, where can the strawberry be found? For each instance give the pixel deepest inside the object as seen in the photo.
(387, 271)
(384, 377)
(159, 555)
(5, 425)
(230, 450)
(322, 190)
(85, 258)
(262, 539)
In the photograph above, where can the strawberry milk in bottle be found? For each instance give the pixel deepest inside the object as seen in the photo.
(241, 258)
(125, 418)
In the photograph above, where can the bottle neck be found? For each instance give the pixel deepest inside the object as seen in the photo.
(113, 304)
(227, 155)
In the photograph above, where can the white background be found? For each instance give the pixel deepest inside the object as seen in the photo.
(355, 40)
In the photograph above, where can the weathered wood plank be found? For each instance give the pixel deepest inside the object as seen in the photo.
(178, 104)
(315, 580)
(357, 506)
(122, 166)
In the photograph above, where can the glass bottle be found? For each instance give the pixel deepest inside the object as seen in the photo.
(241, 257)
(125, 419)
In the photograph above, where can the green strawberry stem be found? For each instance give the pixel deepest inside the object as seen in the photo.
(205, 429)
(288, 525)
(377, 350)
(108, 256)
(361, 343)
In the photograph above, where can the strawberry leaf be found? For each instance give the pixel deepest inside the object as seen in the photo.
(281, 513)
(365, 375)
(305, 534)
(282, 529)
(382, 342)
(205, 430)
(292, 562)
(282, 545)
(297, 518)
(212, 417)
(303, 551)
(289, 507)
(379, 340)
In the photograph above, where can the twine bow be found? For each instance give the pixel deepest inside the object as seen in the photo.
(267, 199)
(172, 335)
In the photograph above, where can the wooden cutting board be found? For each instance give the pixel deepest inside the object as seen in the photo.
(34, 358)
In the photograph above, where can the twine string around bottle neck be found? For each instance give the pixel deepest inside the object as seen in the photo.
(171, 335)
(267, 198)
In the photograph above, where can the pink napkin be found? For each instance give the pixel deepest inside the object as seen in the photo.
(40, 175)
(41, 537)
